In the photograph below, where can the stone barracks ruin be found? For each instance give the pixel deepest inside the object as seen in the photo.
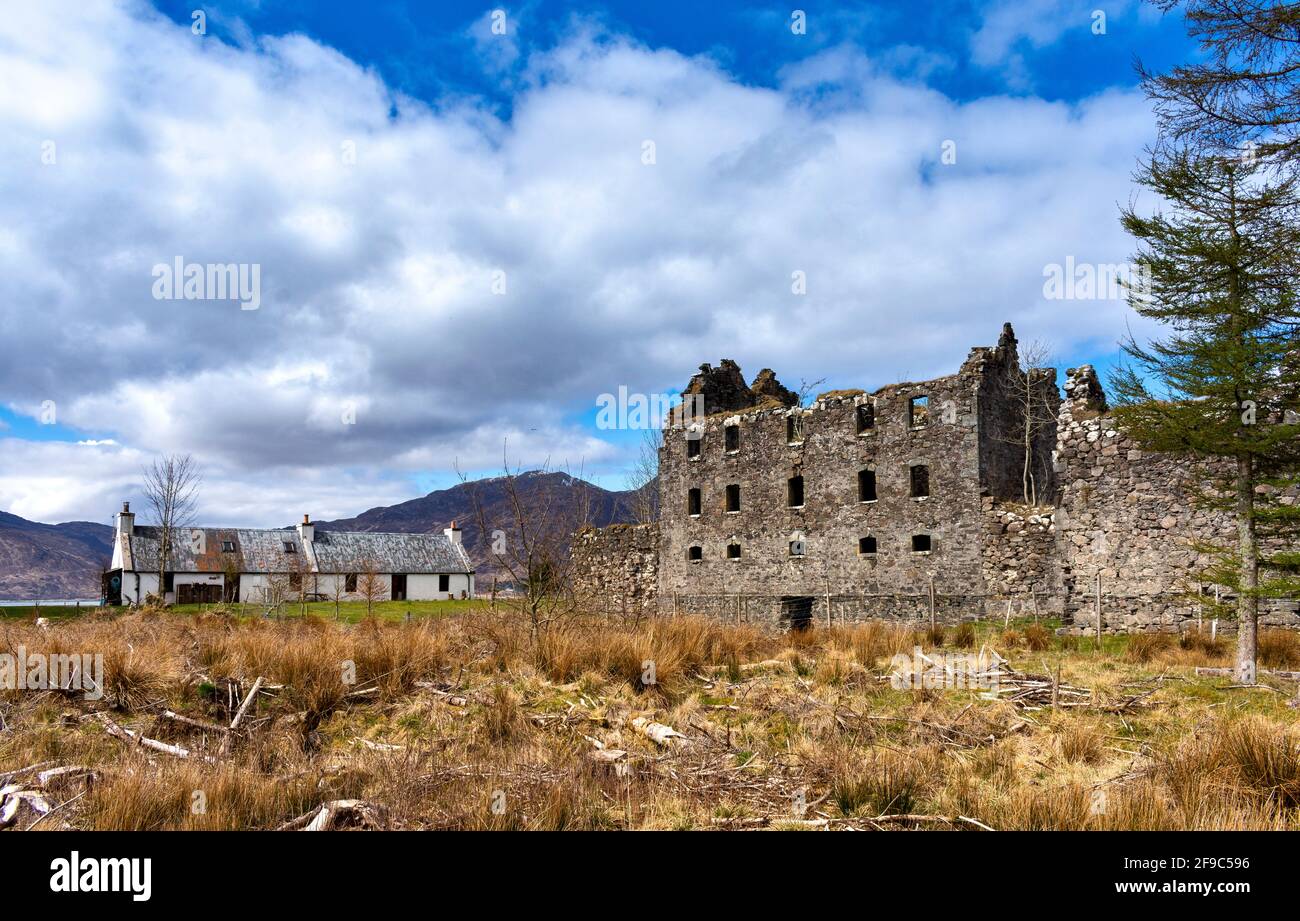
(909, 502)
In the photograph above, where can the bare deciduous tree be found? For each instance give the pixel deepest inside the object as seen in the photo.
(171, 486)
(1030, 392)
(371, 585)
(643, 478)
(529, 539)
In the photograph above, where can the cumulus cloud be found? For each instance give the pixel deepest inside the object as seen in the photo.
(436, 279)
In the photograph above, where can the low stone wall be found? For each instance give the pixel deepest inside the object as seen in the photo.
(617, 568)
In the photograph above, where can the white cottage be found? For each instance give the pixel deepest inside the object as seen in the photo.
(260, 565)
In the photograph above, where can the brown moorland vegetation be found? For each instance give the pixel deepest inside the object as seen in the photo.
(467, 722)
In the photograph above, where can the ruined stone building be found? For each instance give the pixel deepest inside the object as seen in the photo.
(907, 500)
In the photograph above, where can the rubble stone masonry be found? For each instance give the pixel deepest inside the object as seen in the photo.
(908, 500)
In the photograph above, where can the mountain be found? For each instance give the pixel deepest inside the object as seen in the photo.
(52, 560)
(555, 502)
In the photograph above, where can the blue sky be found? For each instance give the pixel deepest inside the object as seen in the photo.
(382, 163)
(421, 48)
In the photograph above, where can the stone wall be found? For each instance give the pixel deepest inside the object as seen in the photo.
(616, 568)
(1106, 508)
(954, 426)
(1131, 517)
(1020, 558)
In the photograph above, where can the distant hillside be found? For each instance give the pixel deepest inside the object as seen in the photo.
(564, 495)
(52, 560)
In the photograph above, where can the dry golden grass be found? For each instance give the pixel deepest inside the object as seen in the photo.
(472, 722)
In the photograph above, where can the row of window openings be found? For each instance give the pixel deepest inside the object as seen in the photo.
(794, 491)
(918, 414)
(921, 543)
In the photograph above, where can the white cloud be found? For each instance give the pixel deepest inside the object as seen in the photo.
(377, 275)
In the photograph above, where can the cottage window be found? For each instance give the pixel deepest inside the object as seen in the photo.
(350, 582)
(733, 497)
(693, 503)
(295, 581)
(693, 446)
(867, 545)
(227, 546)
(921, 543)
(793, 430)
(865, 417)
(794, 492)
(289, 547)
(444, 583)
(695, 553)
(733, 551)
(732, 435)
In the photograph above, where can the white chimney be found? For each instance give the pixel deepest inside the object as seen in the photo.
(453, 533)
(306, 531)
(126, 520)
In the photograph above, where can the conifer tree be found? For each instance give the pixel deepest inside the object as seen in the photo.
(1221, 380)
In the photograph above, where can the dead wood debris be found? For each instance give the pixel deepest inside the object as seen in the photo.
(339, 814)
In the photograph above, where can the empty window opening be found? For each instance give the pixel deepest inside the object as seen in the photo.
(921, 543)
(733, 551)
(695, 553)
(866, 486)
(733, 497)
(793, 429)
(350, 582)
(920, 481)
(866, 417)
(794, 492)
(918, 411)
(731, 434)
(797, 612)
(693, 503)
(693, 446)
(227, 546)
(866, 545)
(444, 583)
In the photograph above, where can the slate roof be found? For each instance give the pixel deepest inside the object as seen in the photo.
(348, 551)
(263, 550)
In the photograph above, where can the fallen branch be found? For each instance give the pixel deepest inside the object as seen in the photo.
(340, 813)
(656, 732)
(248, 702)
(1206, 672)
(129, 735)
